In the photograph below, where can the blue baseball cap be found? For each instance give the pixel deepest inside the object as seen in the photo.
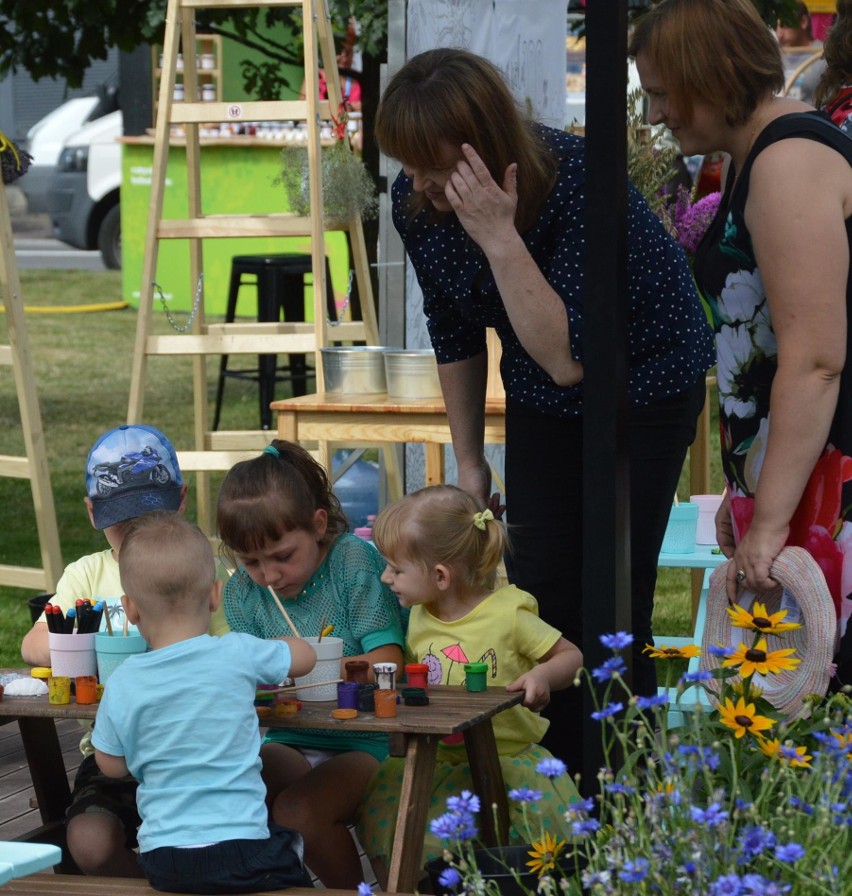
(131, 470)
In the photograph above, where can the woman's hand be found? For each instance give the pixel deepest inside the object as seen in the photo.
(725, 528)
(754, 556)
(484, 208)
(475, 479)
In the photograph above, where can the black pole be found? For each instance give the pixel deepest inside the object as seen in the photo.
(606, 500)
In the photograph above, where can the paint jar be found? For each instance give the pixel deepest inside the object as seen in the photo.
(112, 650)
(366, 700)
(385, 703)
(417, 675)
(476, 676)
(385, 675)
(347, 695)
(59, 689)
(86, 688)
(415, 697)
(72, 655)
(357, 671)
(327, 669)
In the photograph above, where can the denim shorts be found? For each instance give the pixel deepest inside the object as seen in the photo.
(232, 866)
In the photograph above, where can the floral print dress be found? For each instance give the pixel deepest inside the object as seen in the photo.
(731, 286)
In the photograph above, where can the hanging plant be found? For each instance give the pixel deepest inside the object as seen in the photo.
(348, 190)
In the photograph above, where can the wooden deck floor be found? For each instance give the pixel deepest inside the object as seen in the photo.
(17, 815)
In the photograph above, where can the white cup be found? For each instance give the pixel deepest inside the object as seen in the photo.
(329, 656)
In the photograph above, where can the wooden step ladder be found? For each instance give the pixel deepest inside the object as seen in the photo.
(220, 450)
(33, 466)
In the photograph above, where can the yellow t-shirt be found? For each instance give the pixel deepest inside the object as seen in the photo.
(505, 632)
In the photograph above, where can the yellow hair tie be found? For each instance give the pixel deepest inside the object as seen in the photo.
(480, 519)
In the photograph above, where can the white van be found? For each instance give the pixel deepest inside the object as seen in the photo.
(44, 142)
(84, 196)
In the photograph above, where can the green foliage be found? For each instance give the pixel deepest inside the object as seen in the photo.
(348, 190)
(650, 161)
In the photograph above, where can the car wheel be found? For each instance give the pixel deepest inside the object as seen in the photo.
(109, 238)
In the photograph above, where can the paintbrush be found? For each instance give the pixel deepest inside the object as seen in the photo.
(284, 613)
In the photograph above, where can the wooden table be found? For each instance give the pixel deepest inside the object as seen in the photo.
(415, 733)
(336, 418)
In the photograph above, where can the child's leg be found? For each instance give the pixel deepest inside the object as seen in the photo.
(321, 805)
(282, 766)
(101, 823)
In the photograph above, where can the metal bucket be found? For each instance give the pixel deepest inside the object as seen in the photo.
(354, 369)
(412, 374)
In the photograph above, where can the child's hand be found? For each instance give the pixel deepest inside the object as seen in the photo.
(536, 687)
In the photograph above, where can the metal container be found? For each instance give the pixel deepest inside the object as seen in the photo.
(412, 374)
(354, 369)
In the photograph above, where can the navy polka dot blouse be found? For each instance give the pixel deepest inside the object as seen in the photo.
(670, 341)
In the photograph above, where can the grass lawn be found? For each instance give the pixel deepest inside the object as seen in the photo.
(81, 363)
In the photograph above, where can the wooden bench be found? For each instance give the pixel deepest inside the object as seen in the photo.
(48, 884)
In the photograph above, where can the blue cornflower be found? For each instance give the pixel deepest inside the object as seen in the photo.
(695, 677)
(551, 768)
(612, 667)
(726, 885)
(618, 787)
(753, 840)
(650, 702)
(635, 871)
(789, 852)
(798, 803)
(449, 878)
(459, 826)
(364, 889)
(717, 650)
(757, 885)
(713, 816)
(608, 711)
(618, 641)
(585, 827)
(464, 802)
(525, 795)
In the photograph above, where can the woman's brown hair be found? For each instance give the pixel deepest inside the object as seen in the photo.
(837, 52)
(454, 96)
(717, 51)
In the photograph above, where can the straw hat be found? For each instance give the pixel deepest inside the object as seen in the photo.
(807, 600)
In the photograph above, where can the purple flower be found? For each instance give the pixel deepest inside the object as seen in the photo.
(618, 641)
(789, 852)
(458, 826)
(585, 827)
(691, 220)
(364, 889)
(449, 878)
(635, 871)
(608, 711)
(650, 702)
(551, 768)
(464, 802)
(615, 665)
(727, 885)
(525, 795)
(695, 677)
(713, 816)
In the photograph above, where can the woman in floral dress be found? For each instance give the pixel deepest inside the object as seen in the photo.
(774, 272)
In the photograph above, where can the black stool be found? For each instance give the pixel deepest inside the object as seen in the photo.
(280, 284)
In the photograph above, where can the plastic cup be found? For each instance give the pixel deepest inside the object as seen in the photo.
(680, 532)
(707, 507)
(59, 689)
(329, 655)
(112, 650)
(476, 676)
(86, 688)
(385, 703)
(72, 655)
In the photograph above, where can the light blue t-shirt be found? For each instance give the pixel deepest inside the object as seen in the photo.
(183, 717)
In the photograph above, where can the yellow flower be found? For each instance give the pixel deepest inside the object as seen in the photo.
(672, 653)
(761, 621)
(759, 659)
(738, 687)
(544, 853)
(798, 757)
(743, 717)
(844, 741)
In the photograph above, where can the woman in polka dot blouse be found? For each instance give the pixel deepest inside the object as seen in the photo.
(491, 210)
